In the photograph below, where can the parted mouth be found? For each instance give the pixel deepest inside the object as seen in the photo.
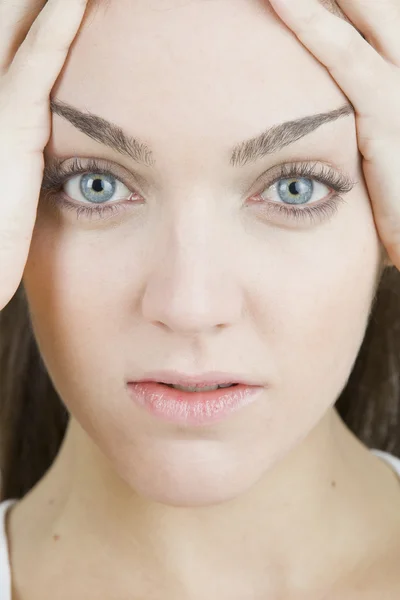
(211, 379)
(199, 388)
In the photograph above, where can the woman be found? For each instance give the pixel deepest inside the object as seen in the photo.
(218, 208)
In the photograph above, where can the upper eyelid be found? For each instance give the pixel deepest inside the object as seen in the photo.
(313, 166)
(267, 177)
(58, 169)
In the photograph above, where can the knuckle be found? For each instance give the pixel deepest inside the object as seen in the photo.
(308, 24)
(346, 55)
(347, 49)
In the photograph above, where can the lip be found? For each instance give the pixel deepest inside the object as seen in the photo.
(198, 379)
(191, 408)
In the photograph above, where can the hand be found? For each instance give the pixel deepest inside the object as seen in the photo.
(367, 69)
(34, 43)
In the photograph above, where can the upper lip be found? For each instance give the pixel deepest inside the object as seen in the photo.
(210, 378)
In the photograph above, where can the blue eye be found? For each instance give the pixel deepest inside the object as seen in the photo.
(304, 191)
(95, 188)
(298, 190)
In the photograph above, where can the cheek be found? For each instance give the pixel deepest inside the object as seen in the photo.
(313, 294)
(80, 299)
(318, 309)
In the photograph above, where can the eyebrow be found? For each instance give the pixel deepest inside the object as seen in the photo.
(270, 141)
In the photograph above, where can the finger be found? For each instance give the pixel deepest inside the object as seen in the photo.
(22, 175)
(362, 73)
(16, 18)
(42, 55)
(379, 21)
(380, 168)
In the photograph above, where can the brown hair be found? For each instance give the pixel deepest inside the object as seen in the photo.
(33, 419)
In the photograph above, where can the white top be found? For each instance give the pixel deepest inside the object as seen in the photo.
(5, 571)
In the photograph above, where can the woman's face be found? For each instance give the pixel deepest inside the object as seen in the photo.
(205, 270)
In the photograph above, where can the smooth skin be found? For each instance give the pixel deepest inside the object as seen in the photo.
(34, 43)
(279, 501)
(368, 72)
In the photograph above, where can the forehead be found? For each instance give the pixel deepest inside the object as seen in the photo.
(184, 68)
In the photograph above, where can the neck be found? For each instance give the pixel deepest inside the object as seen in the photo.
(268, 539)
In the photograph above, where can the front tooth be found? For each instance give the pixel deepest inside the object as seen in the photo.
(195, 389)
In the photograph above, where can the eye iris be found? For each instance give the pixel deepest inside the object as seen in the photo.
(97, 188)
(300, 190)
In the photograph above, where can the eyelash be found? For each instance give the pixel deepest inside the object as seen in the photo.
(56, 174)
(339, 182)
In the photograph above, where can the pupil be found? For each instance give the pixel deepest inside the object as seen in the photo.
(98, 185)
(293, 188)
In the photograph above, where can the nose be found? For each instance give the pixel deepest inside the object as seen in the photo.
(193, 286)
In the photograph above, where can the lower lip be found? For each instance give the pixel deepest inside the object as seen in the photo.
(192, 408)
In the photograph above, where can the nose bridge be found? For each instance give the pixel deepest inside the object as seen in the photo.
(191, 286)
